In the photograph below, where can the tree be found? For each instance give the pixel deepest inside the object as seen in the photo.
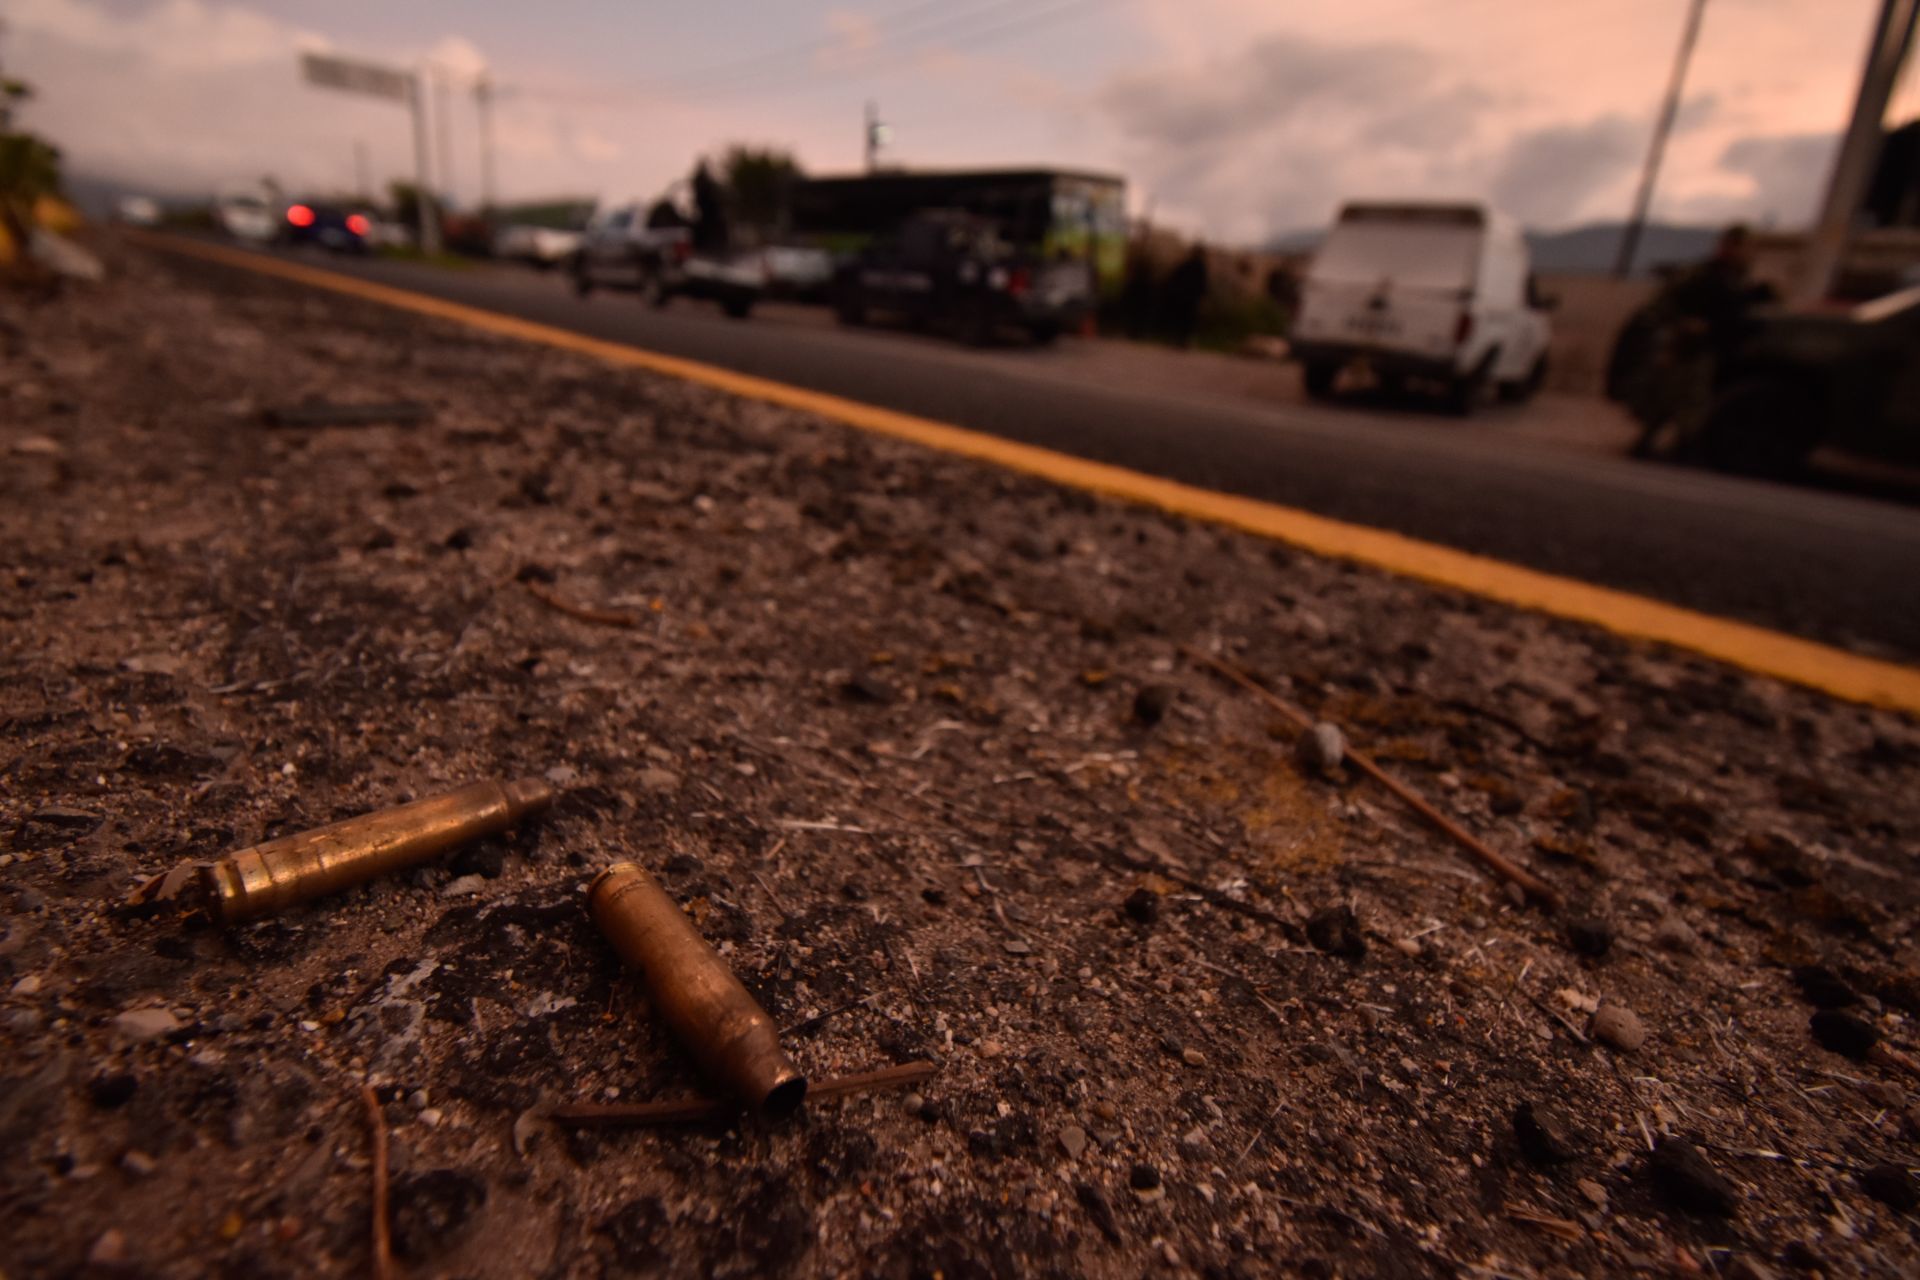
(760, 183)
(29, 169)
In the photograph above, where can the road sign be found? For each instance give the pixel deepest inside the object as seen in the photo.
(357, 77)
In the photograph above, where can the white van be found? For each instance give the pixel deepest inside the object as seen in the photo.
(1433, 293)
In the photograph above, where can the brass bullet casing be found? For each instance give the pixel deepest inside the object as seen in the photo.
(280, 873)
(694, 991)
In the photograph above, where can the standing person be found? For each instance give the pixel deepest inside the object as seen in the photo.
(1689, 331)
(1186, 288)
(709, 212)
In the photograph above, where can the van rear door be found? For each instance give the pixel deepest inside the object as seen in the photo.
(1395, 282)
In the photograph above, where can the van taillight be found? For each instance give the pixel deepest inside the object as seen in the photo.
(299, 215)
(1464, 329)
(1018, 281)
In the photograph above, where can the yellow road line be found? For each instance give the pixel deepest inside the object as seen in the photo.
(1757, 649)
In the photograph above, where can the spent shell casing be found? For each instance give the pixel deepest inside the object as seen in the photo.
(298, 868)
(694, 991)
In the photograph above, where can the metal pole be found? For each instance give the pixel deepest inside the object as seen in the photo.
(423, 180)
(483, 101)
(871, 124)
(1643, 199)
(443, 129)
(1859, 149)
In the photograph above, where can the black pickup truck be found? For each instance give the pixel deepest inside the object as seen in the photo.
(952, 271)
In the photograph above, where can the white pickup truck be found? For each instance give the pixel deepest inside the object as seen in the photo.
(1439, 294)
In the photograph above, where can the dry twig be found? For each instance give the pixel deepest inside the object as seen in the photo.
(382, 1229)
(605, 617)
(1536, 888)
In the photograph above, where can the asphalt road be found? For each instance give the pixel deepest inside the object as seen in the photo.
(1832, 566)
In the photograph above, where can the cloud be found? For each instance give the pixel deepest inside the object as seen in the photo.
(1785, 173)
(1268, 139)
(1550, 176)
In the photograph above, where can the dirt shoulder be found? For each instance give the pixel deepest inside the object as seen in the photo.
(878, 722)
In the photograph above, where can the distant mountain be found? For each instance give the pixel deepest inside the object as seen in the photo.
(1590, 248)
(1594, 248)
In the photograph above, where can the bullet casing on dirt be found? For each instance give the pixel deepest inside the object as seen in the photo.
(298, 868)
(695, 992)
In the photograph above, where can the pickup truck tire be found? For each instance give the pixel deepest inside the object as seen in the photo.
(849, 308)
(1467, 390)
(582, 281)
(737, 308)
(1521, 390)
(1044, 335)
(1320, 377)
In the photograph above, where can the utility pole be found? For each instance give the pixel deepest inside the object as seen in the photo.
(1650, 175)
(1859, 149)
(443, 128)
(483, 104)
(426, 205)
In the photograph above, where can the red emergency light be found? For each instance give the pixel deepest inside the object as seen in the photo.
(299, 215)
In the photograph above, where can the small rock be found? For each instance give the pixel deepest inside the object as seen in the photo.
(1674, 934)
(1823, 988)
(431, 1117)
(1151, 704)
(1142, 906)
(138, 1163)
(865, 687)
(1095, 1202)
(1193, 1057)
(1321, 749)
(1073, 1141)
(112, 1090)
(1892, 1186)
(484, 858)
(432, 1210)
(110, 1250)
(912, 1103)
(658, 780)
(1544, 1135)
(463, 886)
(27, 986)
(1015, 947)
(1408, 947)
(991, 1048)
(137, 1026)
(1744, 1267)
(1336, 930)
(1593, 1191)
(1844, 1033)
(1144, 1177)
(1685, 1179)
(1619, 1026)
(562, 775)
(1106, 1111)
(1590, 937)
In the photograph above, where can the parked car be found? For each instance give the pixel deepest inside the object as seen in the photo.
(328, 226)
(137, 211)
(247, 213)
(541, 247)
(1433, 294)
(798, 272)
(1846, 378)
(953, 270)
(619, 251)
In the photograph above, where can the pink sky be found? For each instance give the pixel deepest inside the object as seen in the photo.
(1242, 118)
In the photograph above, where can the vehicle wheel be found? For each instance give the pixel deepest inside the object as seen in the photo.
(582, 282)
(1760, 427)
(1467, 390)
(657, 292)
(1320, 377)
(976, 327)
(1524, 389)
(737, 308)
(848, 309)
(1044, 335)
